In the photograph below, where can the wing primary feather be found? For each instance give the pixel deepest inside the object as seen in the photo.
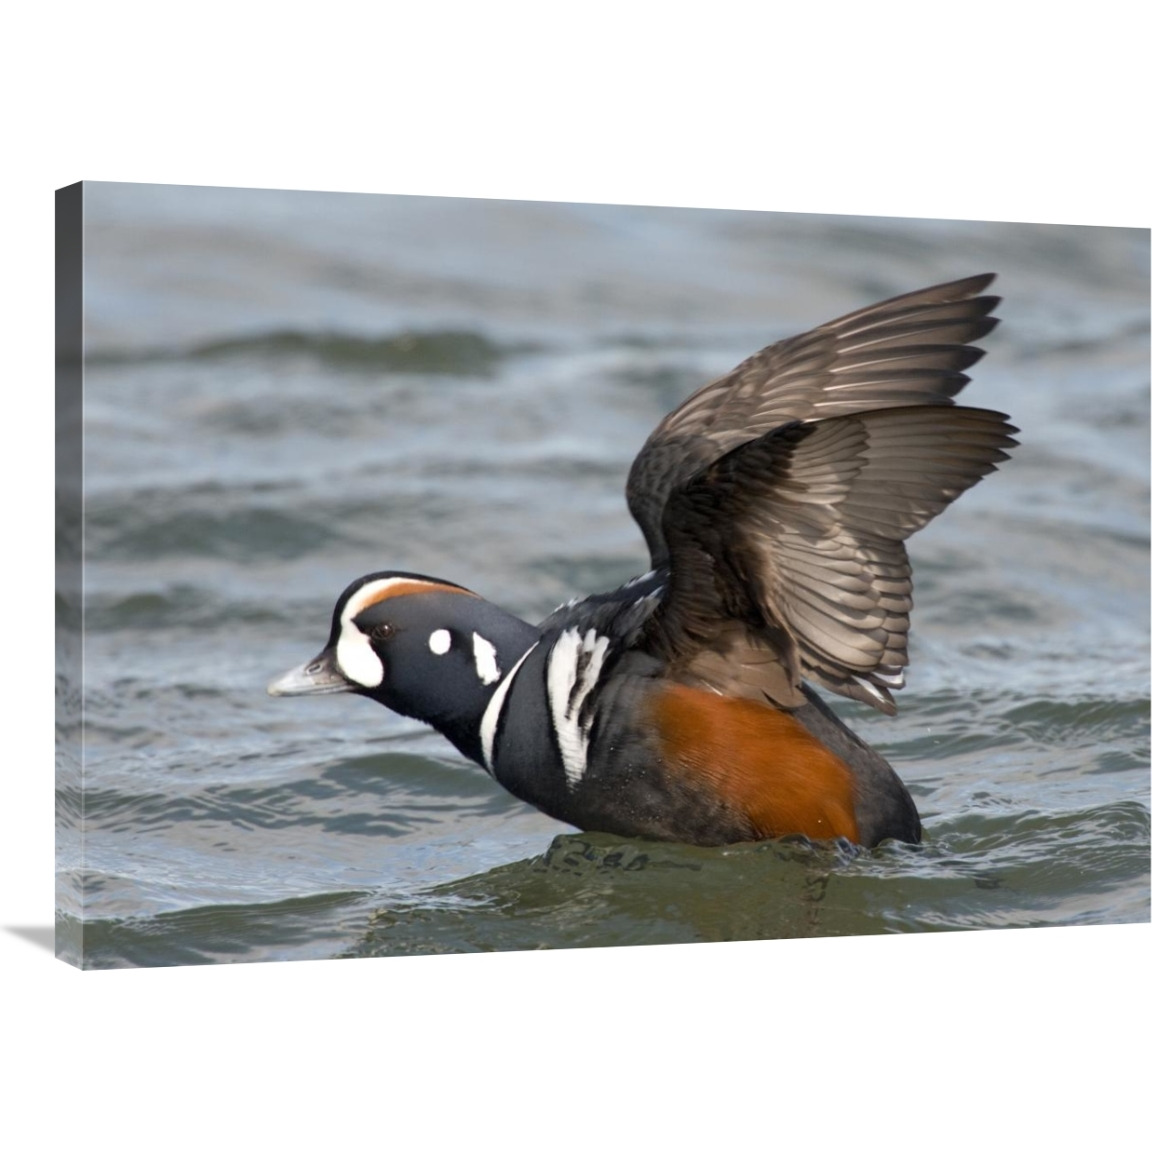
(778, 497)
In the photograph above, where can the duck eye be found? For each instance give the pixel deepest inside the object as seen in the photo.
(382, 631)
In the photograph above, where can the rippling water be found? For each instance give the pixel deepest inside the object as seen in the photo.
(287, 390)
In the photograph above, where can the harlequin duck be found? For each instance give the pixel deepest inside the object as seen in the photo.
(775, 503)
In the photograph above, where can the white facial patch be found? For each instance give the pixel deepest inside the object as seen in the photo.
(356, 658)
(485, 653)
(440, 641)
(354, 652)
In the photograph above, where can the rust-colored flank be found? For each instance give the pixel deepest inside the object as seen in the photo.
(759, 760)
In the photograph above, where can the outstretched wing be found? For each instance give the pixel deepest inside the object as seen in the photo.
(779, 498)
(796, 541)
(912, 349)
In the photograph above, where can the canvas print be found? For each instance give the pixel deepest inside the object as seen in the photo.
(446, 575)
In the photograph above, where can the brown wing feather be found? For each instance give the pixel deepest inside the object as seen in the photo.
(910, 350)
(791, 546)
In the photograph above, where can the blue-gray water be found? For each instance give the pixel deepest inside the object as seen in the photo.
(287, 390)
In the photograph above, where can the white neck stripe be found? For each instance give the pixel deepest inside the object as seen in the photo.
(491, 716)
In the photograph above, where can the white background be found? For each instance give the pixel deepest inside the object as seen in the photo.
(985, 111)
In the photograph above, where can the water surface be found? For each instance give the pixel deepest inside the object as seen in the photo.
(287, 390)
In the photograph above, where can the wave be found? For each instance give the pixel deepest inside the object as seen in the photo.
(434, 351)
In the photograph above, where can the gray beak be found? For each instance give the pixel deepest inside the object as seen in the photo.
(318, 677)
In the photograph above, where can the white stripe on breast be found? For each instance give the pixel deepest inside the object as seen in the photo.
(568, 685)
(491, 717)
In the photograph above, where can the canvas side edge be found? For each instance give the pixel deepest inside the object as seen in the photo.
(69, 617)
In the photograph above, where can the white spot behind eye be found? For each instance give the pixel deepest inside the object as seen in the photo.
(486, 667)
(440, 641)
